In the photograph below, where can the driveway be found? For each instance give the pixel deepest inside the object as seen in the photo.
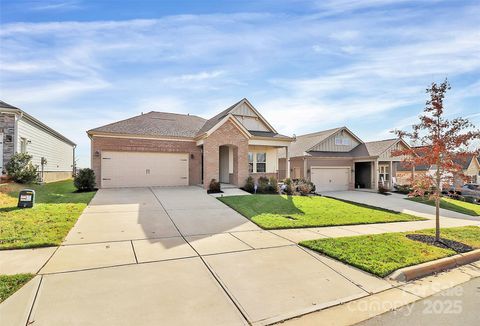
(179, 256)
(396, 202)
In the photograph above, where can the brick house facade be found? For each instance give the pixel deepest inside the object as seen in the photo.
(218, 148)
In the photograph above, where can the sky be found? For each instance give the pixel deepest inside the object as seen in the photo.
(305, 65)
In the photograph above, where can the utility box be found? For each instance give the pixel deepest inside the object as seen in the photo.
(26, 198)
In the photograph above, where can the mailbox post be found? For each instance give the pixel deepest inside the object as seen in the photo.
(26, 198)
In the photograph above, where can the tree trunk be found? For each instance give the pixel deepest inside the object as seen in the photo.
(437, 206)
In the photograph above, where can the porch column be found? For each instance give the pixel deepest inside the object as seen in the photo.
(287, 161)
(390, 167)
(413, 173)
(375, 175)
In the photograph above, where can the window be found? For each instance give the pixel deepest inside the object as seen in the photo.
(23, 145)
(250, 162)
(384, 173)
(261, 162)
(342, 141)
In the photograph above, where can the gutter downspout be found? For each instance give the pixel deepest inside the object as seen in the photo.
(15, 132)
(74, 165)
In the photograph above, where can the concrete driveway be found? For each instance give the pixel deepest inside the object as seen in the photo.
(396, 202)
(179, 256)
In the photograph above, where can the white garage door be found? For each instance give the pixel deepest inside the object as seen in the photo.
(330, 179)
(137, 169)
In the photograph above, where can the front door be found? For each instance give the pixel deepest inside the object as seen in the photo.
(224, 164)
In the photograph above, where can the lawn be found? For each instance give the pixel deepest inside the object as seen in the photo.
(451, 204)
(282, 212)
(382, 254)
(11, 283)
(57, 209)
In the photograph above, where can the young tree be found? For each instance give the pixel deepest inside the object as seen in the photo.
(442, 143)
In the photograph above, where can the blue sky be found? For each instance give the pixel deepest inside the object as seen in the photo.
(306, 65)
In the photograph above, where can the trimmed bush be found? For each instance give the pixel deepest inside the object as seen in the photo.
(382, 190)
(273, 185)
(262, 185)
(214, 187)
(289, 189)
(304, 187)
(21, 169)
(249, 185)
(85, 180)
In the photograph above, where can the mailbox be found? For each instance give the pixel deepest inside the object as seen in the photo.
(26, 198)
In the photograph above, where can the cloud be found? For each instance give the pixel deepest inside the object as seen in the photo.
(367, 67)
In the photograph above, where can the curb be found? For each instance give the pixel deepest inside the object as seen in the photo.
(413, 272)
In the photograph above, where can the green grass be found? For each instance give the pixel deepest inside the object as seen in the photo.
(11, 283)
(281, 212)
(451, 204)
(382, 254)
(57, 209)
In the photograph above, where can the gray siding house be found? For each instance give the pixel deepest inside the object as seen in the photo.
(22, 133)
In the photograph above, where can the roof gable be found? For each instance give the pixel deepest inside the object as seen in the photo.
(242, 110)
(328, 143)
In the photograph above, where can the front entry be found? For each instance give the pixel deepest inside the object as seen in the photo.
(224, 164)
(363, 175)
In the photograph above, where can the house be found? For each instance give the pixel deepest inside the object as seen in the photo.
(336, 159)
(52, 153)
(169, 149)
(470, 168)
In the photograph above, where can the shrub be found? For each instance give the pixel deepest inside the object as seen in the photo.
(21, 169)
(382, 190)
(289, 189)
(263, 185)
(214, 187)
(403, 189)
(249, 185)
(273, 185)
(304, 187)
(85, 180)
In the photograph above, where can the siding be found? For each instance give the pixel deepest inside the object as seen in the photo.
(248, 118)
(387, 155)
(328, 145)
(59, 154)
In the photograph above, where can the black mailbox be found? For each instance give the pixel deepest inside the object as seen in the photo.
(26, 198)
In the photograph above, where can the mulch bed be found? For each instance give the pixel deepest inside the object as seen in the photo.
(444, 243)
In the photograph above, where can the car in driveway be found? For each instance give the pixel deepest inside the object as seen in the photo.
(468, 190)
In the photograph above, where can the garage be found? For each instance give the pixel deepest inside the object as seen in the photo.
(330, 178)
(140, 169)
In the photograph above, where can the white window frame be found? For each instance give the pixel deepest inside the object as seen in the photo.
(384, 171)
(264, 162)
(23, 145)
(251, 162)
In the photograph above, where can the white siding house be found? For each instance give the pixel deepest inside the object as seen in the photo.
(22, 133)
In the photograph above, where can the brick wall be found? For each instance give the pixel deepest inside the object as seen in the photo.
(227, 134)
(147, 145)
(7, 127)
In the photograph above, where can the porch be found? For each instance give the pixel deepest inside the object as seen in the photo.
(373, 174)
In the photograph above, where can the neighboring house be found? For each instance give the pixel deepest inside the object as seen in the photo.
(169, 149)
(337, 159)
(22, 133)
(470, 168)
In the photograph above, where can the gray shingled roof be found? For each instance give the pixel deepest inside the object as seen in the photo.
(373, 148)
(6, 105)
(156, 124)
(304, 142)
(267, 134)
(210, 123)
